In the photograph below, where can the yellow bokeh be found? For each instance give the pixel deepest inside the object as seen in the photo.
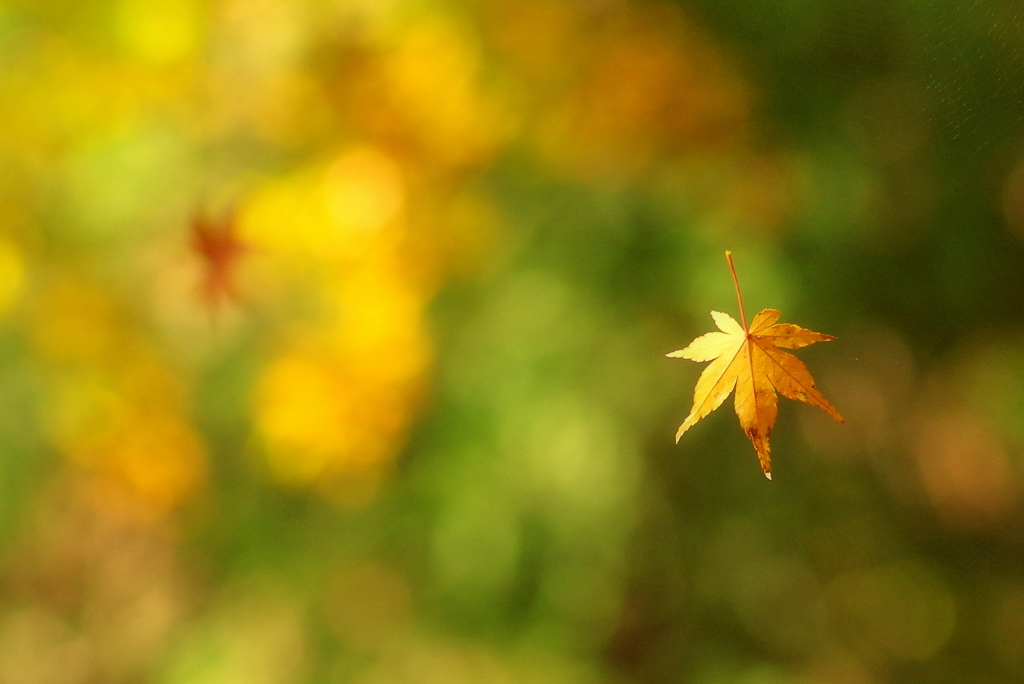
(364, 190)
(320, 423)
(160, 32)
(327, 211)
(11, 274)
(338, 403)
(376, 316)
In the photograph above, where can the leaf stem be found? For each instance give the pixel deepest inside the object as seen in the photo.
(739, 296)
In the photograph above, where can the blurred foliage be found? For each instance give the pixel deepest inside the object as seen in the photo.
(333, 333)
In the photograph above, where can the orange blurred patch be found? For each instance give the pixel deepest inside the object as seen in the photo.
(111, 408)
(542, 39)
(147, 456)
(421, 97)
(651, 87)
(965, 468)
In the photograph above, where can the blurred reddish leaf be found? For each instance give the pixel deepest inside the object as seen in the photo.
(219, 249)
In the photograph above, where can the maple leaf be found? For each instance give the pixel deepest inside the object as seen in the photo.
(219, 248)
(751, 361)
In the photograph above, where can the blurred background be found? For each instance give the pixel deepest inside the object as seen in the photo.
(333, 335)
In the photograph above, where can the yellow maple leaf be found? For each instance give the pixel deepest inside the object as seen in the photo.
(750, 359)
